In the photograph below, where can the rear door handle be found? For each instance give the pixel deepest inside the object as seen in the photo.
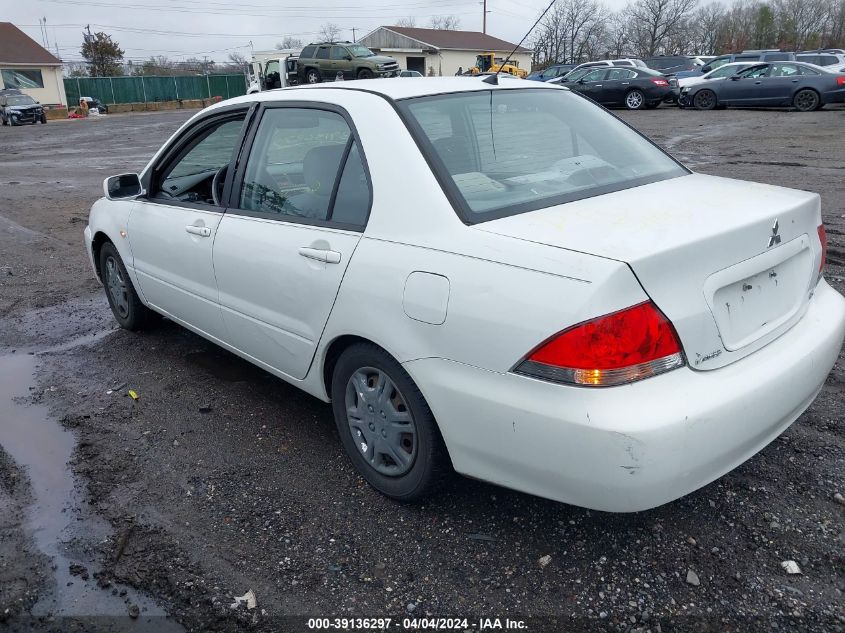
(320, 255)
(202, 231)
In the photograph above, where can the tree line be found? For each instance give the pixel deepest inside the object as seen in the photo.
(580, 30)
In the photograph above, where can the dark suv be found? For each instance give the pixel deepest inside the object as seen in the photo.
(17, 108)
(324, 61)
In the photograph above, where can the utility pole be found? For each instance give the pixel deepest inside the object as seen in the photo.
(484, 21)
(353, 34)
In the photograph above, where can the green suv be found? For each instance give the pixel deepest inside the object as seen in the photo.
(320, 62)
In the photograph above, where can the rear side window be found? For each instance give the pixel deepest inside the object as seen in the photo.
(323, 52)
(308, 52)
(620, 73)
(305, 165)
(503, 152)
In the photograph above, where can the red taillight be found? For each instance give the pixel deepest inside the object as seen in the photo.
(614, 349)
(823, 242)
(660, 82)
(840, 81)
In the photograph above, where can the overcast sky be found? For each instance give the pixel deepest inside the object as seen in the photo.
(188, 28)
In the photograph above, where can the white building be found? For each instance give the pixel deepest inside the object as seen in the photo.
(440, 52)
(29, 67)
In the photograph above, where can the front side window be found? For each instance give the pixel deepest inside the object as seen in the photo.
(338, 52)
(356, 50)
(305, 164)
(756, 72)
(505, 152)
(594, 75)
(21, 78)
(198, 172)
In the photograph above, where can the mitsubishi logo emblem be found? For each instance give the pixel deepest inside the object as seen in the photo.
(775, 237)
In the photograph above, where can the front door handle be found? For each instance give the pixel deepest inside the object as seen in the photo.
(320, 254)
(202, 231)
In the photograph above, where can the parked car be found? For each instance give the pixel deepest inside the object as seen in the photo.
(671, 64)
(611, 62)
(324, 61)
(747, 56)
(410, 73)
(551, 72)
(17, 108)
(486, 278)
(635, 88)
(94, 102)
(803, 86)
(722, 72)
(821, 58)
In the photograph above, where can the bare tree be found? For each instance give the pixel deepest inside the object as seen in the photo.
(329, 32)
(653, 22)
(445, 22)
(291, 42)
(407, 22)
(706, 26)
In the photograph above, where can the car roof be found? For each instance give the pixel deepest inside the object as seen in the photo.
(408, 88)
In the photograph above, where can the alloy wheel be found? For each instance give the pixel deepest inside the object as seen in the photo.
(705, 100)
(806, 100)
(634, 100)
(380, 422)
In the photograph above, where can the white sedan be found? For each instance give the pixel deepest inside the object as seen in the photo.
(722, 72)
(493, 279)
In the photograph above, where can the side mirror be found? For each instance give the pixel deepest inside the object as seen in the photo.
(582, 80)
(348, 58)
(123, 187)
(735, 77)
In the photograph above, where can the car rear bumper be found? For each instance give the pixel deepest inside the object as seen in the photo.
(834, 96)
(638, 446)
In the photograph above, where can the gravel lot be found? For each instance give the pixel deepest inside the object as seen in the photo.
(221, 478)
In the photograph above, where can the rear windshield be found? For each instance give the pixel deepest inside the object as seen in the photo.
(504, 152)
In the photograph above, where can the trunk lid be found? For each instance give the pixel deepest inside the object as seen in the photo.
(731, 263)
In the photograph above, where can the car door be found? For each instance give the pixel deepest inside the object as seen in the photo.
(298, 207)
(324, 62)
(744, 88)
(591, 84)
(171, 231)
(340, 63)
(615, 85)
(781, 83)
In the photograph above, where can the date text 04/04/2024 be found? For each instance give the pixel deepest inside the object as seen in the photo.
(416, 624)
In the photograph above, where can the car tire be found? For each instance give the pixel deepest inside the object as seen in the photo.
(312, 76)
(128, 310)
(806, 100)
(635, 100)
(366, 378)
(704, 100)
(365, 73)
(43, 119)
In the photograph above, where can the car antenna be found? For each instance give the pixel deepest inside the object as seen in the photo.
(493, 80)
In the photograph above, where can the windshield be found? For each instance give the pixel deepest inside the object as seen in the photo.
(20, 100)
(503, 152)
(356, 50)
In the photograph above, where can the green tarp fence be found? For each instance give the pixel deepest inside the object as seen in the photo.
(144, 89)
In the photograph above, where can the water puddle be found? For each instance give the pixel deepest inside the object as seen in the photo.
(60, 520)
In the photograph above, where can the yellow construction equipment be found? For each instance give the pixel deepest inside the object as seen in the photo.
(489, 63)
